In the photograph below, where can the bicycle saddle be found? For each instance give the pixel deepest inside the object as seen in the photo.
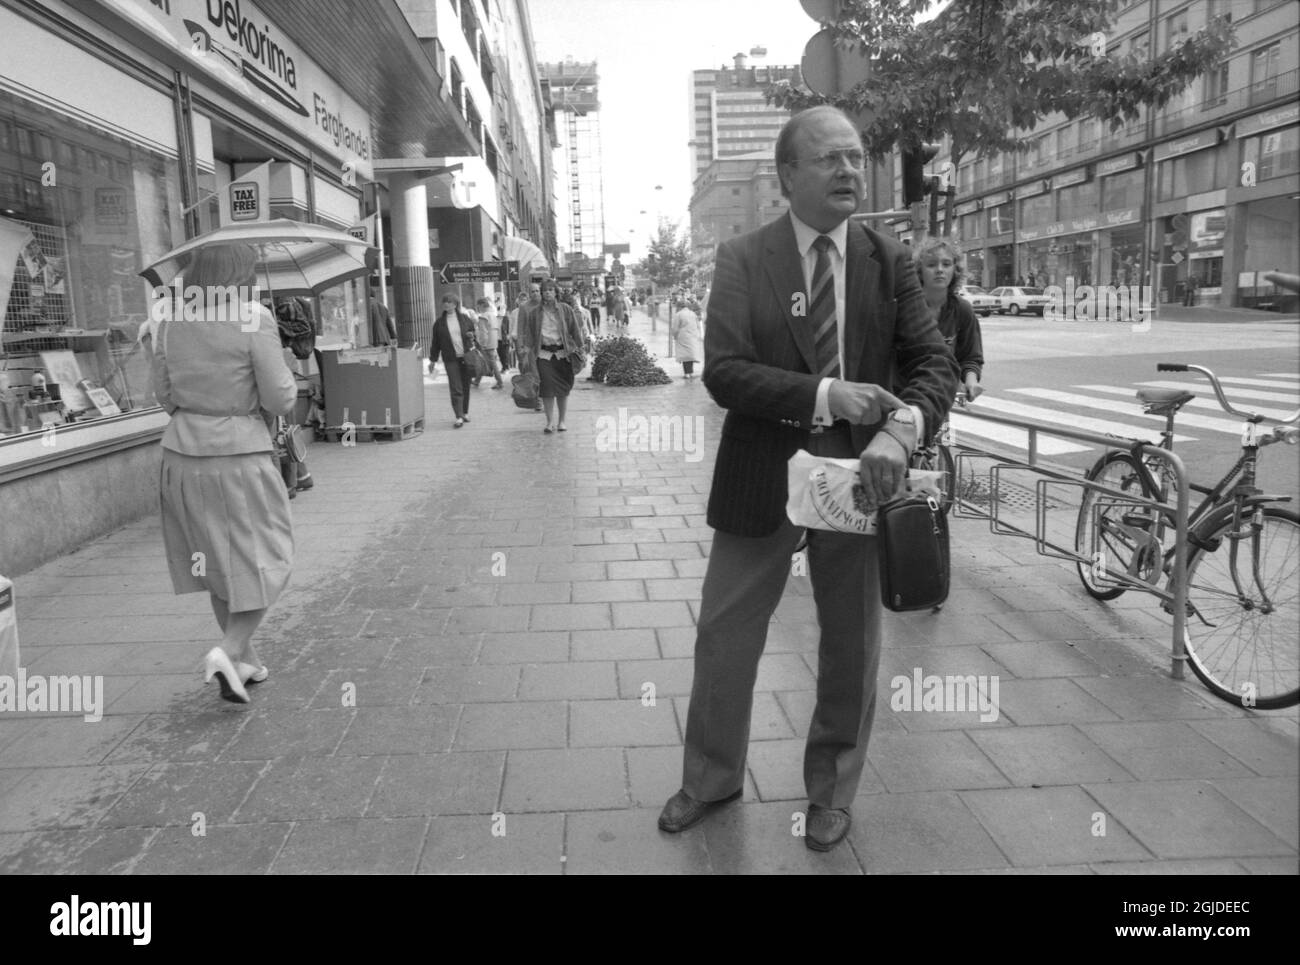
(1163, 401)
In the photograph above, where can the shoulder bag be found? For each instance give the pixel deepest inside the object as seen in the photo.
(912, 540)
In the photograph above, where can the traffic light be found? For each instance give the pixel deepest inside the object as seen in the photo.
(915, 184)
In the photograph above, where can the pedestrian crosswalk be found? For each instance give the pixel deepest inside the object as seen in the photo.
(1076, 407)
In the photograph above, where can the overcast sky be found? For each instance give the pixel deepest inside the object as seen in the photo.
(646, 50)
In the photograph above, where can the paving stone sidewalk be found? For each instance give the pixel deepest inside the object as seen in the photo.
(483, 662)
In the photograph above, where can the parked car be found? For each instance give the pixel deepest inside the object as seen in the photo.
(1014, 299)
(980, 301)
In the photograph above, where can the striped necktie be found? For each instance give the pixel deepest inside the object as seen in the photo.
(821, 311)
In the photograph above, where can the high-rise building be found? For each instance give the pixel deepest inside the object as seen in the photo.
(730, 115)
(580, 206)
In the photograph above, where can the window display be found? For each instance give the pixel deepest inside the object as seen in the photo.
(80, 211)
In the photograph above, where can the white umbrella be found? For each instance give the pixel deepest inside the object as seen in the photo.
(293, 258)
(526, 253)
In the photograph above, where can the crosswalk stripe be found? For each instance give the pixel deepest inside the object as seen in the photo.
(964, 425)
(1108, 405)
(1238, 393)
(1258, 383)
(1197, 403)
(1071, 419)
(1293, 376)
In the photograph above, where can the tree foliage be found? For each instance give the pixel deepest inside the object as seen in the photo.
(668, 263)
(987, 72)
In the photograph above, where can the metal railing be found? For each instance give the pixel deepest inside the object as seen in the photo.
(1175, 595)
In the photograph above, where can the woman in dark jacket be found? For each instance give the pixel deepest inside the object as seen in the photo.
(941, 269)
(453, 336)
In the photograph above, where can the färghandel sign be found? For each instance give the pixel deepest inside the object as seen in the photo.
(235, 43)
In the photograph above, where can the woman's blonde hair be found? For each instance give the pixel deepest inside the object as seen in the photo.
(222, 266)
(933, 245)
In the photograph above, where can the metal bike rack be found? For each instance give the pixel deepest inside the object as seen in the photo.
(1175, 596)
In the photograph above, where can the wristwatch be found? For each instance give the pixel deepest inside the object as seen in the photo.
(901, 426)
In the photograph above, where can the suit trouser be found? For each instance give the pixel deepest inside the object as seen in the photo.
(742, 587)
(457, 385)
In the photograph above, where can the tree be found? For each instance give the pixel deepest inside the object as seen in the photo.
(668, 263)
(987, 72)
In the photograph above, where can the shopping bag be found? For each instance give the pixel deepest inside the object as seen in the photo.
(523, 389)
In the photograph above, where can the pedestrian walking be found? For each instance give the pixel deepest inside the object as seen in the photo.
(528, 358)
(550, 334)
(686, 336)
(487, 329)
(942, 270)
(453, 335)
(225, 511)
(382, 329)
(780, 374)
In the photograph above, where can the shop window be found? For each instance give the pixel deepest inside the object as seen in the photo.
(1275, 153)
(1077, 200)
(1192, 174)
(1001, 219)
(71, 303)
(1037, 210)
(1121, 191)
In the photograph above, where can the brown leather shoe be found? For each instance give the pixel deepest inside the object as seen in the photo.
(682, 811)
(826, 827)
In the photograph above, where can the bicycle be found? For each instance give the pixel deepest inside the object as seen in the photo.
(1242, 633)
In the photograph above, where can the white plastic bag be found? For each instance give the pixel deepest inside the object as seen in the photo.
(828, 494)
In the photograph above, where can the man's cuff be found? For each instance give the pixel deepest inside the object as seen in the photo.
(822, 409)
(920, 424)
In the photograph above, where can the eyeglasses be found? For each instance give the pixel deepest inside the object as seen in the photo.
(831, 160)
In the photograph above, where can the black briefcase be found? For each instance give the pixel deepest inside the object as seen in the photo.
(912, 540)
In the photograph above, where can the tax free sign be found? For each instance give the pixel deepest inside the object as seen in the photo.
(233, 43)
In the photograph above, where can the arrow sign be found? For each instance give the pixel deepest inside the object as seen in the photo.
(461, 272)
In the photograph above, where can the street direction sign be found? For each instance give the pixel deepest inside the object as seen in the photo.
(462, 272)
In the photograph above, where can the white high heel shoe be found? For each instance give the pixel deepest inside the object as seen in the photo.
(250, 674)
(217, 664)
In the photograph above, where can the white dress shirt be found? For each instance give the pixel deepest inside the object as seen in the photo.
(804, 238)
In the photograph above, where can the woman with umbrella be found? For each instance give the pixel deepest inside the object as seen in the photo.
(227, 530)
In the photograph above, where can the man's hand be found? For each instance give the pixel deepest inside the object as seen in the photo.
(973, 387)
(862, 403)
(883, 468)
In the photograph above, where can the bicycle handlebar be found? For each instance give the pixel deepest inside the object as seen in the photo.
(1218, 391)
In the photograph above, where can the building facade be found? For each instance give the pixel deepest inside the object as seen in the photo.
(121, 123)
(735, 195)
(501, 190)
(730, 116)
(1197, 200)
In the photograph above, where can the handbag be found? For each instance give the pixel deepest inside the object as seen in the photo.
(912, 541)
(475, 363)
(523, 389)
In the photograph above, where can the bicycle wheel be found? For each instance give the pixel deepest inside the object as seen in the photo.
(1233, 645)
(1115, 538)
(948, 487)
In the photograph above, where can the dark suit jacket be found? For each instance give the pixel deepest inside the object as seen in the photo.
(760, 358)
(441, 343)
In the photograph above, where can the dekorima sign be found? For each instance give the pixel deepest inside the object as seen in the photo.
(234, 43)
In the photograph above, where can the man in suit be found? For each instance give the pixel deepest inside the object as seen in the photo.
(808, 318)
